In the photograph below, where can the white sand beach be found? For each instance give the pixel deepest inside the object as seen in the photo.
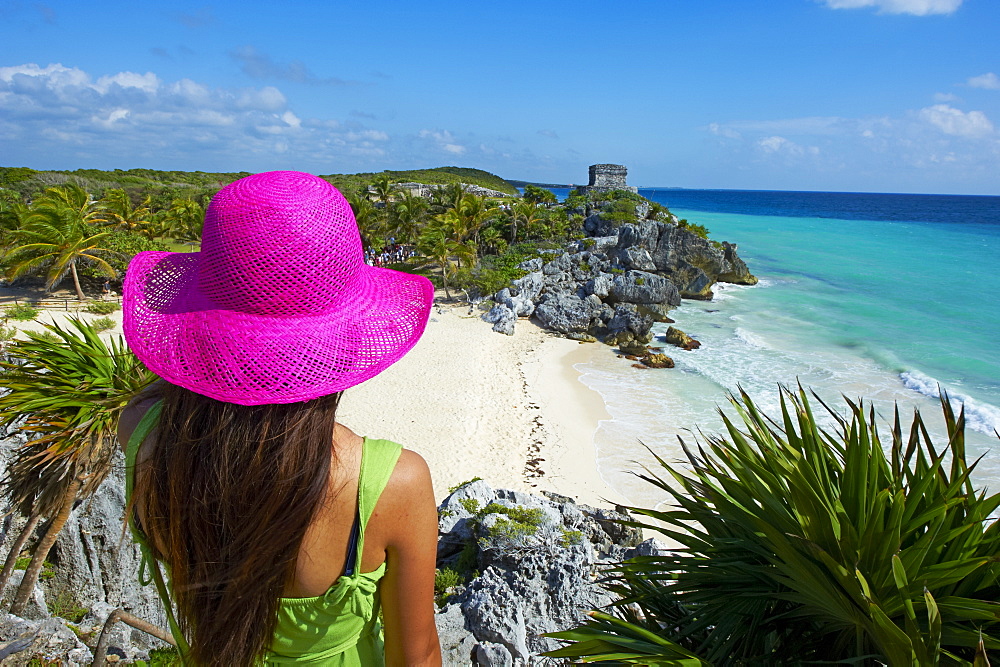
(474, 403)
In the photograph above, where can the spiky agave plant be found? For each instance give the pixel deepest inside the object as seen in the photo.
(805, 545)
(66, 390)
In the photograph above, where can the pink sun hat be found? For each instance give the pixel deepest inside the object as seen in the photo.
(278, 306)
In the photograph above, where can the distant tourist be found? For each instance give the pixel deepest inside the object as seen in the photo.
(241, 482)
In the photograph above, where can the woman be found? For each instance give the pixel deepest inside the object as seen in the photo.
(286, 536)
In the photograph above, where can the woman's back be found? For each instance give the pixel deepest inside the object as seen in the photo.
(329, 610)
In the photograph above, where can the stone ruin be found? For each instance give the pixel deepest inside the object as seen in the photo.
(604, 177)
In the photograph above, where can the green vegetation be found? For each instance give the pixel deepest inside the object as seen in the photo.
(538, 195)
(67, 395)
(21, 312)
(102, 324)
(699, 230)
(436, 176)
(65, 605)
(453, 489)
(443, 580)
(161, 657)
(807, 544)
(570, 537)
(102, 307)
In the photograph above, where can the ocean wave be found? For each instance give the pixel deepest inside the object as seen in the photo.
(979, 416)
(751, 339)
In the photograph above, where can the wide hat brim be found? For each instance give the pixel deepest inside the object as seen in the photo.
(174, 328)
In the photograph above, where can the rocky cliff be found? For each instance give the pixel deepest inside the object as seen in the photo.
(613, 287)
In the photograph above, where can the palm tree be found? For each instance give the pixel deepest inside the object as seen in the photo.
(474, 212)
(119, 209)
(407, 216)
(62, 229)
(186, 217)
(527, 215)
(438, 244)
(369, 219)
(492, 238)
(66, 389)
(383, 189)
(446, 197)
(12, 212)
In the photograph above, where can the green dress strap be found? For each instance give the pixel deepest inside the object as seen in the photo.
(378, 460)
(149, 568)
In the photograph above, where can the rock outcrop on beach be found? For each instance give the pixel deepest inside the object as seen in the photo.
(538, 561)
(614, 287)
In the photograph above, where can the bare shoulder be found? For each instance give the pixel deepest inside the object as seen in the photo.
(411, 472)
(408, 498)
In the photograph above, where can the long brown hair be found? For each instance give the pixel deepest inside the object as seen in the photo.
(226, 495)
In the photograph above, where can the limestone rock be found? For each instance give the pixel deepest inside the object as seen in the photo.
(677, 337)
(628, 318)
(502, 318)
(643, 287)
(633, 349)
(49, 638)
(458, 645)
(531, 264)
(657, 360)
(566, 313)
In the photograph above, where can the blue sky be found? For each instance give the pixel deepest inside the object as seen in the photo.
(855, 95)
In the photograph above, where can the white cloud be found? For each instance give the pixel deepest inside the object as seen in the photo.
(61, 116)
(147, 82)
(775, 144)
(989, 81)
(945, 97)
(723, 131)
(915, 7)
(971, 125)
(443, 140)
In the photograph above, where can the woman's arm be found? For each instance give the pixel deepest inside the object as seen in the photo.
(411, 549)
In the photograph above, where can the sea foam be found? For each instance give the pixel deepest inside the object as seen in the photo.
(979, 416)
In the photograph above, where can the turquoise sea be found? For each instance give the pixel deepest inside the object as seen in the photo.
(886, 297)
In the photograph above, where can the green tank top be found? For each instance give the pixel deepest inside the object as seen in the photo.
(338, 628)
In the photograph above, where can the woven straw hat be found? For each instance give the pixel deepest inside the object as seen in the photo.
(278, 306)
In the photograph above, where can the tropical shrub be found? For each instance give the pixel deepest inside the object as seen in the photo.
(102, 324)
(21, 312)
(66, 394)
(102, 307)
(803, 544)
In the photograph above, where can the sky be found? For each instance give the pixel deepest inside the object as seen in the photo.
(830, 95)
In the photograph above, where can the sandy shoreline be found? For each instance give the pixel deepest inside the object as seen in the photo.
(474, 403)
(509, 409)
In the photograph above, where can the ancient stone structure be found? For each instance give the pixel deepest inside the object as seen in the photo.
(607, 177)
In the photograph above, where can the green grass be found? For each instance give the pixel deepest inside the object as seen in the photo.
(102, 307)
(161, 657)
(102, 324)
(453, 489)
(436, 176)
(64, 605)
(21, 312)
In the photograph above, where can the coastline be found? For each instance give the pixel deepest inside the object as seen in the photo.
(474, 403)
(572, 415)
